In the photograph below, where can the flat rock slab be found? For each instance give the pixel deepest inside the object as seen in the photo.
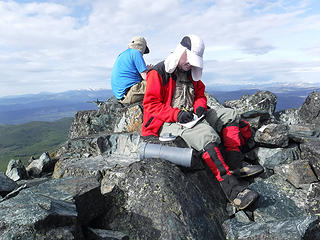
(83, 191)
(91, 166)
(87, 156)
(59, 233)
(275, 200)
(94, 154)
(304, 133)
(6, 184)
(58, 205)
(297, 173)
(310, 151)
(27, 214)
(66, 189)
(272, 157)
(102, 234)
(290, 229)
(275, 135)
(33, 182)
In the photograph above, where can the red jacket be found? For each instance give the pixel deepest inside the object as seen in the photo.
(157, 100)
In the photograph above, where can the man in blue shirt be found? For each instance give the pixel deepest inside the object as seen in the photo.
(129, 72)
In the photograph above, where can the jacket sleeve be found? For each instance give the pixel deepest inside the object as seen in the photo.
(155, 99)
(200, 99)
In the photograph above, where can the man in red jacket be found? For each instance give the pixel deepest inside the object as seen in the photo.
(175, 95)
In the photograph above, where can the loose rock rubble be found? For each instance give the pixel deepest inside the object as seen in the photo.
(100, 189)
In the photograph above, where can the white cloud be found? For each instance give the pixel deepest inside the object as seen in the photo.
(255, 46)
(59, 45)
(262, 73)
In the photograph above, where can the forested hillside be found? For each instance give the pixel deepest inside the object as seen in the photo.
(31, 139)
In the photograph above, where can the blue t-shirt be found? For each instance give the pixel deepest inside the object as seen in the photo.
(126, 71)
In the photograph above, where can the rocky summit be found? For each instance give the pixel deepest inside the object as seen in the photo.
(96, 186)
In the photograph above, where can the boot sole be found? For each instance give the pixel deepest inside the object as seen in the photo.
(251, 174)
(245, 206)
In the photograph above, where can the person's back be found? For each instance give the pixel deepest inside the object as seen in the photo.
(129, 71)
(126, 71)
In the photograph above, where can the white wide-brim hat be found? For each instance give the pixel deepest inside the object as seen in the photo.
(195, 48)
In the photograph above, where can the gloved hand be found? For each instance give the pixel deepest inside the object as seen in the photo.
(184, 116)
(201, 111)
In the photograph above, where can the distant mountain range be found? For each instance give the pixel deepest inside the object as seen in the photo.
(48, 106)
(53, 106)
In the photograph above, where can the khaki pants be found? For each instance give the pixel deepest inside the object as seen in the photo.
(135, 93)
(204, 132)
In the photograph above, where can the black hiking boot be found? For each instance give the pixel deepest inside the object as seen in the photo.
(250, 170)
(245, 198)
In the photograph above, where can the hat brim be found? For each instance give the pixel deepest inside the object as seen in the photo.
(147, 50)
(196, 73)
(194, 59)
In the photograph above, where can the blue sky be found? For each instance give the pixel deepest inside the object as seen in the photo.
(61, 45)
